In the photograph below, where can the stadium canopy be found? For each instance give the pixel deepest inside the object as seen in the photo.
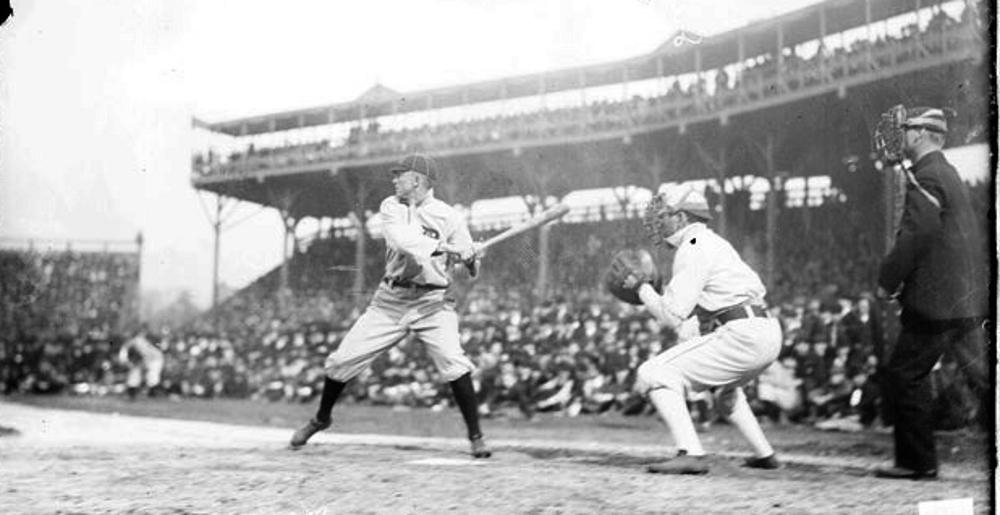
(673, 57)
(800, 124)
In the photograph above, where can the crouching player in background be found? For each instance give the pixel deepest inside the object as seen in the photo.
(145, 364)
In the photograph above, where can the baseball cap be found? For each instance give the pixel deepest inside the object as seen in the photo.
(688, 200)
(928, 118)
(418, 163)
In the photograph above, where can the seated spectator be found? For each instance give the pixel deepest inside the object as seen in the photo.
(779, 391)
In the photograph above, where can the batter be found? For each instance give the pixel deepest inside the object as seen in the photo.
(422, 234)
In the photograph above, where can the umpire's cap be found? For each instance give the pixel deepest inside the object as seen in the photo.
(418, 163)
(929, 118)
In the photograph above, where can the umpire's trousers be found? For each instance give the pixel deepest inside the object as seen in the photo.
(909, 395)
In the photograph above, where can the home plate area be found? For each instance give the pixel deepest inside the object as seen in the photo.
(79, 462)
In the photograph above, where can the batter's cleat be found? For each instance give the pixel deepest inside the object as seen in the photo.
(904, 473)
(767, 462)
(479, 448)
(305, 433)
(681, 464)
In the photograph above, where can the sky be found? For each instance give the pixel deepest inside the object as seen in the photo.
(97, 96)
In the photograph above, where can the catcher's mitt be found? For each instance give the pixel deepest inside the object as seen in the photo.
(637, 263)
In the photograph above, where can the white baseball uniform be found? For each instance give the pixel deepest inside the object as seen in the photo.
(709, 273)
(151, 364)
(411, 297)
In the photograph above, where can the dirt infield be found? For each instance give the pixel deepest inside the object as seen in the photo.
(65, 461)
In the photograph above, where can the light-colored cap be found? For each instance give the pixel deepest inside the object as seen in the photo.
(929, 118)
(688, 200)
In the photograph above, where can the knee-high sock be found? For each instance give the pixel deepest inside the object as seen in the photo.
(673, 410)
(465, 398)
(331, 392)
(745, 421)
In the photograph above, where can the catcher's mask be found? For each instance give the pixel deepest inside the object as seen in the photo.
(663, 206)
(890, 131)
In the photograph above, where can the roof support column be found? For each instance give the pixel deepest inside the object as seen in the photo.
(823, 72)
(358, 190)
(741, 51)
(717, 163)
(780, 77)
(869, 62)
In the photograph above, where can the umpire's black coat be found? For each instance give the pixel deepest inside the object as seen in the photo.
(939, 257)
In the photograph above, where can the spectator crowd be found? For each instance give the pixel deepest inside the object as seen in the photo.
(570, 352)
(573, 352)
(755, 80)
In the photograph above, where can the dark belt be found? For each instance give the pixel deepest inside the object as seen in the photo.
(410, 285)
(711, 320)
(739, 312)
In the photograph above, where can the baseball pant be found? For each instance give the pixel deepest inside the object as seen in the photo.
(150, 370)
(387, 321)
(727, 357)
(909, 396)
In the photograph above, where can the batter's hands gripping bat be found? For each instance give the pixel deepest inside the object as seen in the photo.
(553, 213)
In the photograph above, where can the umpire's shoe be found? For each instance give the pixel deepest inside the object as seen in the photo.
(681, 464)
(305, 432)
(905, 473)
(479, 448)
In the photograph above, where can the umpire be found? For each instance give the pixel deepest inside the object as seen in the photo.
(939, 271)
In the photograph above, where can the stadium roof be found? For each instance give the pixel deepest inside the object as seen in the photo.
(673, 57)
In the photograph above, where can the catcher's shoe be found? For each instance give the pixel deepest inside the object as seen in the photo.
(767, 462)
(305, 432)
(479, 448)
(681, 464)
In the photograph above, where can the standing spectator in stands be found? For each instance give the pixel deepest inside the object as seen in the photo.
(863, 332)
(811, 329)
(937, 271)
(145, 363)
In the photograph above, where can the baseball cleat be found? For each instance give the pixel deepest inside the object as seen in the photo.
(305, 432)
(681, 464)
(479, 448)
(767, 462)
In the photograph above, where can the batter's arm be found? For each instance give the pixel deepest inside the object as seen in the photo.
(401, 235)
(462, 239)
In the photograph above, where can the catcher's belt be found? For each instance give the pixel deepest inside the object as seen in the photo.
(709, 321)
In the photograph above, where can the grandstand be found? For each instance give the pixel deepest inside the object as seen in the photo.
(772, 118)
(61, 304)
(74, 286)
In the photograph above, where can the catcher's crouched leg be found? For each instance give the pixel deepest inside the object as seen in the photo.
(654, 374)
(734, 406)
(665, 386)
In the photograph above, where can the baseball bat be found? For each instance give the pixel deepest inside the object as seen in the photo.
(553, 213)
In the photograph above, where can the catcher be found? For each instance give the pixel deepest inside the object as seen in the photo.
(739, 338)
